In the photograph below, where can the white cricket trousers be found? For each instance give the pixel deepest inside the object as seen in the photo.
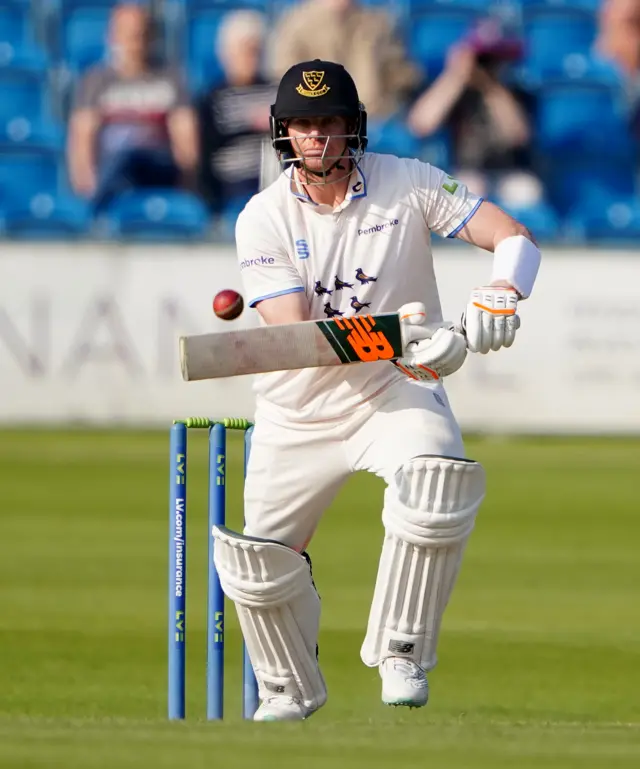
(295, 470)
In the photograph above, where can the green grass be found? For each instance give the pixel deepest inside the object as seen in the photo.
(539, 655)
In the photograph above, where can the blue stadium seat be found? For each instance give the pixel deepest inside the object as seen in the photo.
(48, 217)
(432, 34)
(21, 133)
(26, 172)
(577, 181)
(617, 221)
(24, 95)
(582, 115)
(188, 6)
(83, 37)
(393, 7)
(555, 35)
(586, 5)
(440, 6)
(64, 6)
(157, 215)
(203, 65)
(437, 150)
(540, 218)
(14, 22)
(18, 47)
(392, 137)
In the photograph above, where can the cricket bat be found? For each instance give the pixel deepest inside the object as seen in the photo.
(286, 347)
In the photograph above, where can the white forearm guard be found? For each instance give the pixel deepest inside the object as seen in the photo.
(516, 260)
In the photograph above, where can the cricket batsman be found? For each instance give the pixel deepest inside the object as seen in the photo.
(342, 232)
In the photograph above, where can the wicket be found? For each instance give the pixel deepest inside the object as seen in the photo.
(178, 569)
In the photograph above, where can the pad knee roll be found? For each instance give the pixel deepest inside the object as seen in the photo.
(428, 515)
(279, 613)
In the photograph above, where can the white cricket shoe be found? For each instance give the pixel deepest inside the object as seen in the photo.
(404, 682)
(281, 708)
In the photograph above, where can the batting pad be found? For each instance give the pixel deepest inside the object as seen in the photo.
(278, 610)
(429, 513)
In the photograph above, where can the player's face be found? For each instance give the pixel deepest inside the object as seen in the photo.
(319, 141)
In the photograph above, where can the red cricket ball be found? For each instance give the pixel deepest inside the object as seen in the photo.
(228, 304)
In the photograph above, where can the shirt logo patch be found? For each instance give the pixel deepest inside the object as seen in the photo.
(358, 305)
(259, 262)
(302, 249)
(331, 312)
(364, 278)
(451, 185)
(340, 284)
(379, 227)
(320, 290)
(313, 81)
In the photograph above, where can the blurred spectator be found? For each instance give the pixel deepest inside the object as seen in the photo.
(618, 38)
(234, 114)
(361, 39)
(488, 121)
(132, 124)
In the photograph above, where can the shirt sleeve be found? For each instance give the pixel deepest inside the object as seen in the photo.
(265, 267)
(447, 205)
(88, 90)
(182, 95)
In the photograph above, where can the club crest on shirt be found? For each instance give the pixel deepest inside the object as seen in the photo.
(364, 278)
(338, 284)
(358, 305)
(330, 311)
(302, 249)
(320, 290)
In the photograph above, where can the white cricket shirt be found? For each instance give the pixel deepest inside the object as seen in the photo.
(371, 254)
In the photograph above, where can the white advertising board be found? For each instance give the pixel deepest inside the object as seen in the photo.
(88, 333)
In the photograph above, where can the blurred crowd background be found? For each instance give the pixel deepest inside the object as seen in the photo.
(145, 120)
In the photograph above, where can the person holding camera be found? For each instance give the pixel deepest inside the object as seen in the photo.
(488, 121)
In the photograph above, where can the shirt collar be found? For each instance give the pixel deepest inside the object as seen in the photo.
(357, 184)
(357, 187)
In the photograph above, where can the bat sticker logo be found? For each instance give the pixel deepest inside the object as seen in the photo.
(367, 344)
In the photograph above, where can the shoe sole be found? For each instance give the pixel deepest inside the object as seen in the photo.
(405, 703)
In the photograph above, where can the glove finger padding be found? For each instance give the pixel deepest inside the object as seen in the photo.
(445, 352)
(490, 319)
(414, 326)
(440, 356)
(497, 333)
(511, 326)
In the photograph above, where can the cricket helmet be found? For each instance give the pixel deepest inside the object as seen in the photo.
(313, 89)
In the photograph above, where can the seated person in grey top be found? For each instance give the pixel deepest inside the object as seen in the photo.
(132, 124)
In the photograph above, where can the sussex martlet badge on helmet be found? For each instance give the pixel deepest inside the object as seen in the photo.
(317, 89)
(313, 81)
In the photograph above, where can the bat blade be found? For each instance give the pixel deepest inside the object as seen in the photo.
(288, 347)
